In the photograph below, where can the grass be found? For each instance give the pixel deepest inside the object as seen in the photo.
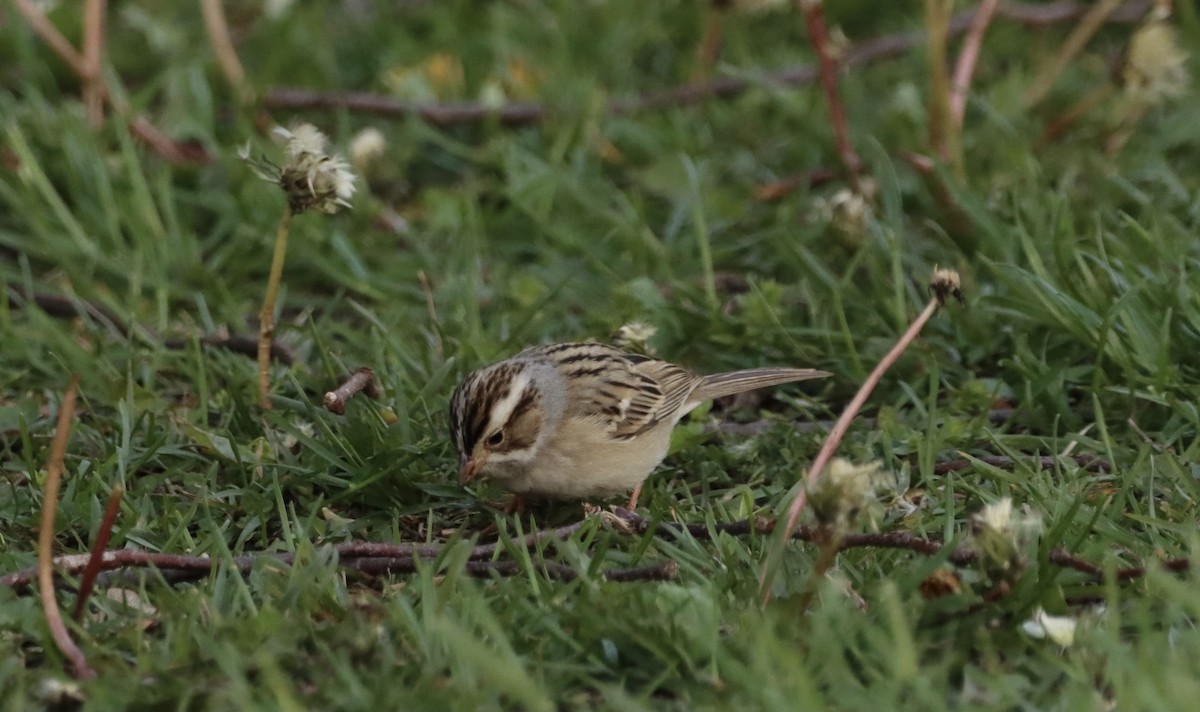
(1079, 269)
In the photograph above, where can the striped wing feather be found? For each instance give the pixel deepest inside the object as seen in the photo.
(728, 384)
(632, 393)
(629, 393)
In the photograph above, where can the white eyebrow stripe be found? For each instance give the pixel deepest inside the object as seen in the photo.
(503, 409)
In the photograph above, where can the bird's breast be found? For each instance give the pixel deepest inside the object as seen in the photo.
(582, 460)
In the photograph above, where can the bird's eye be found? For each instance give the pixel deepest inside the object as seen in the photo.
(495, 438)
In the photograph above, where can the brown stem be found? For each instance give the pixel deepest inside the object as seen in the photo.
(93, 55)
(98, 548)
(45, 565)
(944, 285)
(266, 317)
(222, 44)
(1066, 559)
(967, 58)
(814, 19)
(1087, 27)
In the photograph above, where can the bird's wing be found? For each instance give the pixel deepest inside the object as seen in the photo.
(628, 393)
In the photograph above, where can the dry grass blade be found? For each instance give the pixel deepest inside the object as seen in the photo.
(944, 285)
(94, 30)
(967, 57)
(222, 44)
(54, 470)
(1074, 43)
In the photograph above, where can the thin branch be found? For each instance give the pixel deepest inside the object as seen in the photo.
(363, 379)
(1074, 43)
(98, 548)
(944, 285)
(814, 20)
(1066, 559)
(45, 566)
(967, 58)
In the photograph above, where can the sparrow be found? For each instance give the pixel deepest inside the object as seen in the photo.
(576, 421)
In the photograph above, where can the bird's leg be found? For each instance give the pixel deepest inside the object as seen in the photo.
(633, 498)
(515, 504)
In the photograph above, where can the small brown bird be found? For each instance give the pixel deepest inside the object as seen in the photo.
(582, 420)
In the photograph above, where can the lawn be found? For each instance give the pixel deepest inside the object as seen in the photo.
(559, 186)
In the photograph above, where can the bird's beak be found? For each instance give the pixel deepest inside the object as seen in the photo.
(468, 469)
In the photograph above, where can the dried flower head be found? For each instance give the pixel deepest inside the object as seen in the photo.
(311, 178)
(634, 336)
(366, 146)
(1155, 67)
(1002, 537)
(1059, 629)
(843, 492)
(945, 284)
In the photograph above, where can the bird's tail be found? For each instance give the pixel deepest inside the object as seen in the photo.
(727, 384)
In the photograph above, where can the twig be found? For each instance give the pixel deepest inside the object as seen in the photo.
(944, 285)
(98, 548)
(172, 151)
(73, 307)
(362, 379)
(222, 44)
(527, 113)
(1066, 559)
(814, 19)
(93, 56)
(967, 57)
(375, 558)
(45, 566)
(241, 344)
(1075, 42)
